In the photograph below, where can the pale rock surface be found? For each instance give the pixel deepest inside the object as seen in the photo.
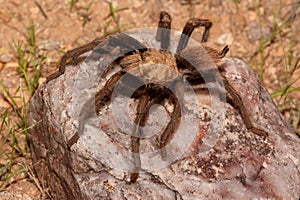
(212, 156)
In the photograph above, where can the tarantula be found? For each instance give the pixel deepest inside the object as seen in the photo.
(145, 67)
(146, 64)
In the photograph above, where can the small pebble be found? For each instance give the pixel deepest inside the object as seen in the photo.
(51, 44)
(226, 38)
(6, 57)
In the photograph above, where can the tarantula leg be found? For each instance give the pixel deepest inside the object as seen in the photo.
(103, 96)
(188, 30)
(171, 127)
(126, 45)
(163, 30)
(224, 51)
(140, 120)
(129, 43)
(71, 56)
(238, 103)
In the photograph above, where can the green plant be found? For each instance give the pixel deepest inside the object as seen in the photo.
(84, 12)
(14, 146)
(72, 4)
(113, 19)
(287, 80)
(30, 59)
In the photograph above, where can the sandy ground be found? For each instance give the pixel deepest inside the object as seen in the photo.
(240, 24)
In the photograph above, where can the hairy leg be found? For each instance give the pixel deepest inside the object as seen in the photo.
(143, 108)
(103, 96)
(172, 126)
(163, 30)
(71, 57)
(237, 102)
(126, 42)
(188, 30)
(140, 120)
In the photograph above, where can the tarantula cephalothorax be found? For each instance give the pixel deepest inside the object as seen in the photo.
(148, 65)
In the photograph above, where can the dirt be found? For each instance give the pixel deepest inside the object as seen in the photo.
(240, 24)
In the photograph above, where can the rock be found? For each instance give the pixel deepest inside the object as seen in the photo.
(24, 190)
(14, 195)
(5, 16)
(255, 32)
(51, 44)
(5, 58)
(213, 155)
(226, 38)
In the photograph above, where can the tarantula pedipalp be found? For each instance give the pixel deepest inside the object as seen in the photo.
(160, 73)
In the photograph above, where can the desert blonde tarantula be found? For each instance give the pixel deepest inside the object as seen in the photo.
(147, 67)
